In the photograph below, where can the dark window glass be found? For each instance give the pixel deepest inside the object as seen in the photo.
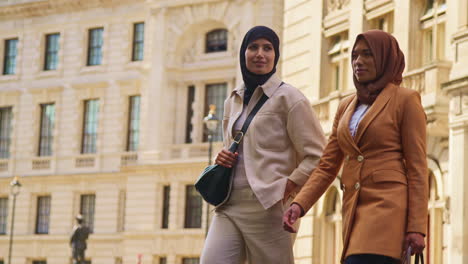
(5, 132)
(190, 261)
(51, 52)
(162, 260)
(193, 208)
(216, 94)
(3, 215)
(166, 200)
(188, 122)
(138, 41)
(43, 215)
(216, 40)
(95, 43)
(46, 134)
(87, 206)
(11, 51)
(39, 262)
(90, 126)
(133, 123)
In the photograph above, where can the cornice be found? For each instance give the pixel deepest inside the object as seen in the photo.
(34, 8)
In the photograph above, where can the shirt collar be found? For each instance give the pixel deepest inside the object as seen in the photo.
(269, 87)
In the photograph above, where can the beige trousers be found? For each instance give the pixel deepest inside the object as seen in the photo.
(243, 230)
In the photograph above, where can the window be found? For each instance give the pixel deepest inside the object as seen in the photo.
(162, 260)
(332, 236)
(339, 62)
(189, 116)
(95, 43)
(90, 126)
(193, 208)
(166, 202)
(51, 52)
(39, 262)
(190, 261)
(11, 50)
(216, 40)
(3, 215)
(46, 134)
(87, 210)
(43, 214)
(5, 132)
(216, 94)
(433, 30)
(384, 22)
(121, 213)
(138, 41)
(133, 123)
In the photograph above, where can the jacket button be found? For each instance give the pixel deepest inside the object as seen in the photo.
(357, 185)
(360, 158)
(343, 187)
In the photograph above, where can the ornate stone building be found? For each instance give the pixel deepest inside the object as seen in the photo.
(102, 105)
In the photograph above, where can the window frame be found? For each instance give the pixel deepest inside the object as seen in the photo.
(4, 215)
(166, 203)
(48, 139)
(138, 45)
(219, 99)
(92, 147)
(217, 45)
(89, 214)
(133, 125)
(10, 60)
(51, 53)
(193, 212)
(43, 214)
(95, 47)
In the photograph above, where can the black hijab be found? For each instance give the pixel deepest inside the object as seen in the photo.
(252, 80)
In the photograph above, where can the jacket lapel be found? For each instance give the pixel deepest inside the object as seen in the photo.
(373, 111)
(346, 119)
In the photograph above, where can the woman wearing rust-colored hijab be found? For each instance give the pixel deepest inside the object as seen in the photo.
(379, 137)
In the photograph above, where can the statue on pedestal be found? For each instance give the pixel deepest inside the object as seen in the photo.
(78, 240)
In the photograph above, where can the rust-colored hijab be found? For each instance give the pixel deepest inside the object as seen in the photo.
(389, 62)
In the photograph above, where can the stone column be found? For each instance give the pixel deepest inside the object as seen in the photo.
(458, 171)
(152, 105)
(459, 38)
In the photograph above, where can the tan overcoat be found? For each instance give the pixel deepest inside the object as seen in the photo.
(384, 178)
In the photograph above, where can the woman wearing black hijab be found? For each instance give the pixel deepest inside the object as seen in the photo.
(275, 158)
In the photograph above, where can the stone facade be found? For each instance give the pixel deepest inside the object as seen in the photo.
(172, 80)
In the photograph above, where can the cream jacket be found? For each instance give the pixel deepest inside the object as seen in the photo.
(284, 140)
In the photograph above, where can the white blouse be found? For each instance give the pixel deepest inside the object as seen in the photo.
(359, 113)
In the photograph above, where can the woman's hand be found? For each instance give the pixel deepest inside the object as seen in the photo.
(290, 188)
(226, 158)
(416, 241)
(290, 217)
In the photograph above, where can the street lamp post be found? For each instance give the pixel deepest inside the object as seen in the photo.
(15, 187)
(211, 122)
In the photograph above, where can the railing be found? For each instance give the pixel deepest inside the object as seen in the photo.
(190, 151)
(415, 80)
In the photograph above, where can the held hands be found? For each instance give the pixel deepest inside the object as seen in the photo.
(416, 241)
(226, 158)
(290, 217)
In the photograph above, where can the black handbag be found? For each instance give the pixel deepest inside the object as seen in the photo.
(214, 184)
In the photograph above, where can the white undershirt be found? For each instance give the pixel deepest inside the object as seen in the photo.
(358, 114)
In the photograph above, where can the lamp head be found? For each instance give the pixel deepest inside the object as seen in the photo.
(211, 121)
(15, 186)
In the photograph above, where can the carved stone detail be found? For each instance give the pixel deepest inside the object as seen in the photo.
(333, 5)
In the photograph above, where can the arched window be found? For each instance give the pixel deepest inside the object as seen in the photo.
(216, 40)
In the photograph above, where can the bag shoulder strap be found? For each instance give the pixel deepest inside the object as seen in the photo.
(417, 257)
(248, 120)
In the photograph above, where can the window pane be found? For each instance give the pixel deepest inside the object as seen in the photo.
(5, 132)
(216, 40)
(3, 215)
(133, 123)
(87, 210)
(216, 94)
(188, 122)
(51, 52)
(190, 261)
(43, 214)
(95, 43)
(138, 41)
(90, 126)
(166, 202)
(162, 260)
(9, 62)
(46, 134)
(193, 208)
(39, 262)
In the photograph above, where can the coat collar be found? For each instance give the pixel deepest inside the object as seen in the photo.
(374, 110)
(269, 87)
